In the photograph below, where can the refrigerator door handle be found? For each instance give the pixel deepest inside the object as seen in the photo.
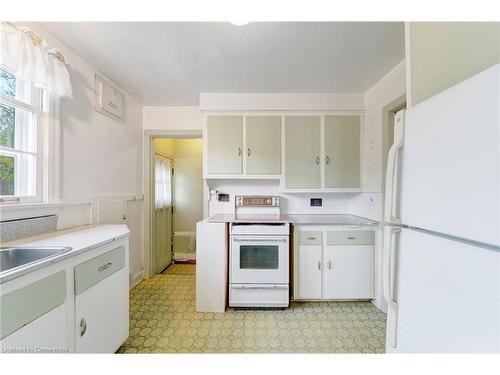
(391, 194)
(388, 283)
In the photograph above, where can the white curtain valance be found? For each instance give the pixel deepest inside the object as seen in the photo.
(28, 56)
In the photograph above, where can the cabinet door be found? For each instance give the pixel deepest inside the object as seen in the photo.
(302, 154)
(348, 272)
(263, 136)
(45, 334)
(309, 269)
(101, 323)
(224, 153)
(342, 152)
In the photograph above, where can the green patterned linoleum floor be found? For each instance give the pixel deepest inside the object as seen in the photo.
(163, 319)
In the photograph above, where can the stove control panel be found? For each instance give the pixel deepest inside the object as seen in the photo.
(256, 201)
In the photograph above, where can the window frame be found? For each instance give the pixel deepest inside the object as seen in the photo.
(45, 108)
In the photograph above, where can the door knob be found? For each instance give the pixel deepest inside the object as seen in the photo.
(83, 327)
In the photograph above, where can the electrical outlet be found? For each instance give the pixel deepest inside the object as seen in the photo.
(223, 197)
(316, 202)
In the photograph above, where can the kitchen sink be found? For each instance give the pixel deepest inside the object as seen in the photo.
(14, 257)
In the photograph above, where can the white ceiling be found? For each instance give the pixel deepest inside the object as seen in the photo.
(170, 63)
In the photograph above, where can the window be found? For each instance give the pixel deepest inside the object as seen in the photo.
(22, 117)
(163, 182)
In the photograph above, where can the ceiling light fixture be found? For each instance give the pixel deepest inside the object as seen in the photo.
(239, 23)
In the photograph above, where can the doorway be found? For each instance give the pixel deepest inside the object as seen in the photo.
(163, 210)
(388, 113)
(177, 200)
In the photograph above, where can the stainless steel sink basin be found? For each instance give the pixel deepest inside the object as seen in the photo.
(14, 257)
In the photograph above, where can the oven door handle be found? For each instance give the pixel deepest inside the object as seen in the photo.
(260, 240)
(259, 286)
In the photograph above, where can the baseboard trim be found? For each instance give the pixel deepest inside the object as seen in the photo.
(184, 256)
(136, 279)
(379, 304)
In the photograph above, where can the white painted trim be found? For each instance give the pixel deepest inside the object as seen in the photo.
(408, 64)
(320, 190)
(362, 150)
(148, 153)
(52, 152)
(280, 101)
(136, 279)
(242, 176)
(183, 256)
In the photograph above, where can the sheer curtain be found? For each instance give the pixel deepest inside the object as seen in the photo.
(30, 58)
(163, 181)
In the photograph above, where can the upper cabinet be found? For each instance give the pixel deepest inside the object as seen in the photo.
(224, 144)
(302, 152)
(307, 153)
(322, 153)
(263, 144)
(243, 146)
(342, 152)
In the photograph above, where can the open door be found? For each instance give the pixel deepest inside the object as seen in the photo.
(162, 216)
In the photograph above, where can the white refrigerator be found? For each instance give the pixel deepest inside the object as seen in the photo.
(441, 253)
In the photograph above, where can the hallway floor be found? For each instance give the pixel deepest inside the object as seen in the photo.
(163, 320)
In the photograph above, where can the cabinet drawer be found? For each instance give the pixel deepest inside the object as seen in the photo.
(351, 237)
(26, 304)
(309, 238)
(94, 270)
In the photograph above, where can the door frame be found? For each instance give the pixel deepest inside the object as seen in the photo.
(148, 209)
(387, 118)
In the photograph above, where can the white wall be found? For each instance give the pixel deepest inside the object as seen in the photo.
(101, 159)
(290, 203)
(171, 118)
(188, 184)
(442, 54)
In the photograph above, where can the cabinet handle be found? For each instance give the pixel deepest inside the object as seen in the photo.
(327, 160)
(351, 238)
(249, 152)
(319, 265)
(317, 160)
(311, 238)
(105, 267)
(239, 151)
(83, 327)
(329, 264)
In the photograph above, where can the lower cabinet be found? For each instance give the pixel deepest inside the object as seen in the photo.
(348, 272)
(334, 264)
(41, 312)
(101, 303)
(33, 317)
(310, 274)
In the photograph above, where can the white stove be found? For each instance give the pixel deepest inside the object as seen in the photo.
(259, 255)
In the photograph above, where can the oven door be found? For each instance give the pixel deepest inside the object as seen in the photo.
(259, 260)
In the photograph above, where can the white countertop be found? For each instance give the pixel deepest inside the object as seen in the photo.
(80, 239)
(338, 219)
